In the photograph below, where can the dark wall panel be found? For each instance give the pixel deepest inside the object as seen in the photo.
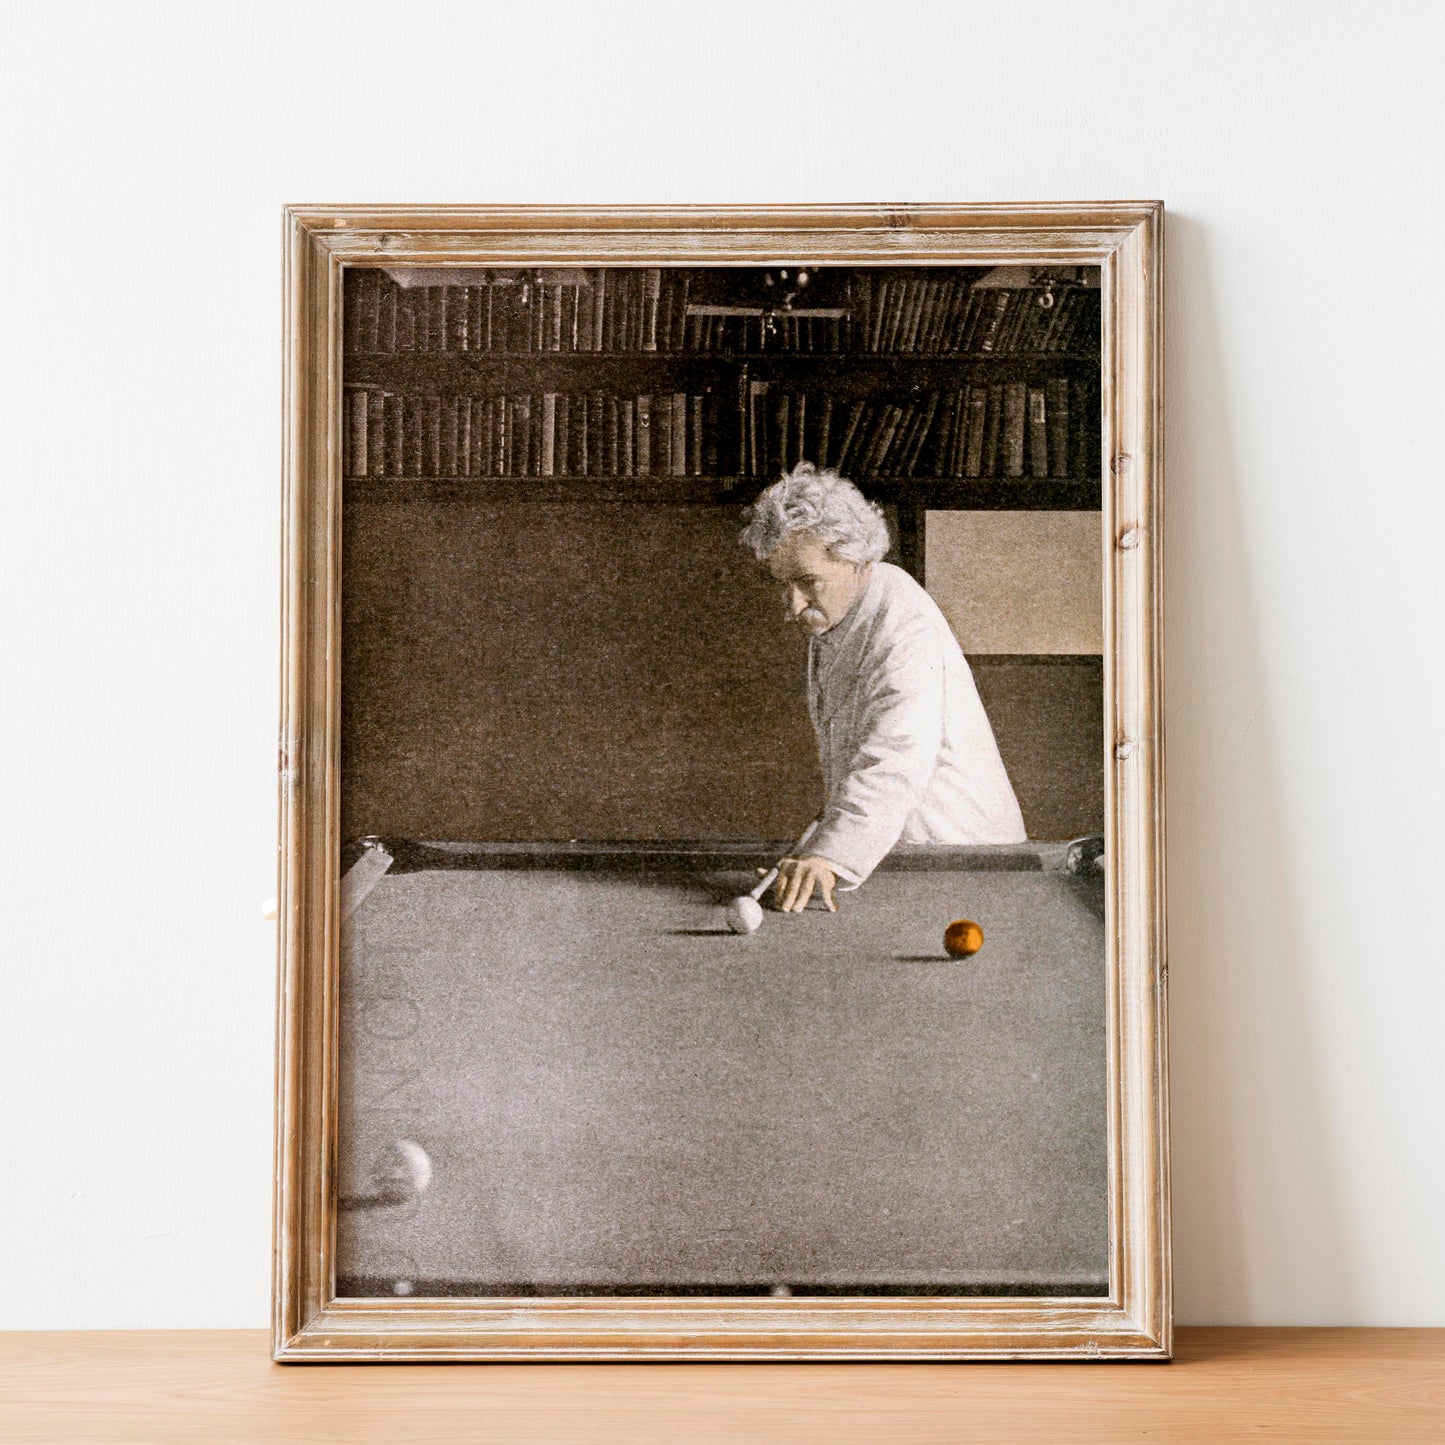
(1048, 717)
(618, 671)
(566, 671)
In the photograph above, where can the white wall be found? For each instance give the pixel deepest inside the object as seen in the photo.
(147, 151)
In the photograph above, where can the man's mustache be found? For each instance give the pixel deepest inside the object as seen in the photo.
(798, 619)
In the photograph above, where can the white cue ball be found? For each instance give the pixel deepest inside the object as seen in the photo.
(745, 915)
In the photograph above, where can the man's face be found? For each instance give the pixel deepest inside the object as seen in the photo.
(818, 589)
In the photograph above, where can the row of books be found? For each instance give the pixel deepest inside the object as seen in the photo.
(948, 315)
(641, 310)
(608, 309)
(549, 434)
(1011, 429)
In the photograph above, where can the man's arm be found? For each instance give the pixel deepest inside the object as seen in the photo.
(899, 739)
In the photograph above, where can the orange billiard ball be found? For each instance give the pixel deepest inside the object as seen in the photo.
(962, 938)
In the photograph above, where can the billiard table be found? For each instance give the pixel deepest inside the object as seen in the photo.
(562, 1073)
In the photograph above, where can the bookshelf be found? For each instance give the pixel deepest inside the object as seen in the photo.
(932, 388)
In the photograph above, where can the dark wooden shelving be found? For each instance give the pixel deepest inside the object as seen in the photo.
(566, 370)
(931, 493)
(747, 412)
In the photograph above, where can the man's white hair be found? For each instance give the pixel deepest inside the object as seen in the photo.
(824, 505)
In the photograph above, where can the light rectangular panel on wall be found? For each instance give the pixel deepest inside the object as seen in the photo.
(1021, 583)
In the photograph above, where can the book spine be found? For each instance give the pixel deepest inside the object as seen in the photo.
(522, 410)
(549, 433)
(679, 434)
(464, 436)
(644, 436)
(949, 410)
(651, 291)
(412, 451)
(965, 304)
(473, 302)
(393, 428)
(450, 433)
(850, 432)
(1015, 405)
(891, 427)
(386, 316)
(484, 424)
(351, 311)
(571, 303)
(370, 309)
(694, 436)
(957, 459)
(897, 309)
(677, 327)
(629, 436)
(920, 438)
(668, 289)
(459, 317)
(431, 436)
(933, 292)
(757, 400)
(596, 434)
(875, 418)
(901, 439)
(565, 464)
(742, 403)
(1018, 314)
(662, 435)
(611, 439)
(1041, 315)
(354, 417)
(977, 427)
(947, 293)
(878, 313)
(554, 336)
(984, 334)
(441, 318)
(712, 414)
(1056, 394)
(825, 427)
(437, 333)
(405, 319)
(375, 434)
(1038, 433)
(915, 314)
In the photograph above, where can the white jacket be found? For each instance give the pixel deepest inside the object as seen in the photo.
(907, 751)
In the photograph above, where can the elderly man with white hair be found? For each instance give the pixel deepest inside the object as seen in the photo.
(906, 748)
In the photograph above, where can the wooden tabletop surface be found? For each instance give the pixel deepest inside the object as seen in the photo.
(219, 1386)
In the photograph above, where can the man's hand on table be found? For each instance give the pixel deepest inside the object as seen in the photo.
(798, 877)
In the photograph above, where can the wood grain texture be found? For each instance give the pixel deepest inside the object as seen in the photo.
(1123, 239)
(1225, 1385)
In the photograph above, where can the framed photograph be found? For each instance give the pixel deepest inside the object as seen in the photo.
(721, 879)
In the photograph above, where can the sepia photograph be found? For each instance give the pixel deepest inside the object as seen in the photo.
(722, 782)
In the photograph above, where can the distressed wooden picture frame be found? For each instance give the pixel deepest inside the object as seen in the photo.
(1132, 1317)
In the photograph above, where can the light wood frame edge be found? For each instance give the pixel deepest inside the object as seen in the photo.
(1135, 1322)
